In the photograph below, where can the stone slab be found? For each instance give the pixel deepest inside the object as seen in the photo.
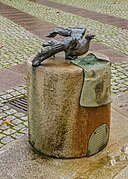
(18, 160)
(120, 103)
(21, 68)
(10, 79)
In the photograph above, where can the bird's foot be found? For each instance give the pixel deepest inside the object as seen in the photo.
(71, 57)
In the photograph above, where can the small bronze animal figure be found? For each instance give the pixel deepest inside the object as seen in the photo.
(75, 43)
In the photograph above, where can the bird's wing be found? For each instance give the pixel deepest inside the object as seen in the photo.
(77, 32)
(66, 32)
(74, 32)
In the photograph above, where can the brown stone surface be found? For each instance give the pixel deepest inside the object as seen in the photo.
(21, 69)
(112, 54)
(58, 125)
(120, 103)
(10, 79)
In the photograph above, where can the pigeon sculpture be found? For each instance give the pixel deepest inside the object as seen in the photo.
(75, 44)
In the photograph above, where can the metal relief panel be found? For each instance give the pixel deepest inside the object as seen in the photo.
(97, 78)
(98, 140)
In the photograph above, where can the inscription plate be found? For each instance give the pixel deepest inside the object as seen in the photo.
(98, 140)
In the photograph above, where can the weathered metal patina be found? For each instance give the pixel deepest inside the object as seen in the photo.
(97, 77)
(75, 43)
(98, 140)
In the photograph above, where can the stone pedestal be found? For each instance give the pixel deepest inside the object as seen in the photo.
(58, 125)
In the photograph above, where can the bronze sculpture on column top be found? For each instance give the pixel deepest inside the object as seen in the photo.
(75, 44)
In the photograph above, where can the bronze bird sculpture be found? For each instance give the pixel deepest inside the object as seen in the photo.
(75, 43)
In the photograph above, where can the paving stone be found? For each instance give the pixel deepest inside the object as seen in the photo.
(122, 76)
(10, 91)
(26, 124)
(4, 126)
(2, 135)
(9, 131)
(24, 118)
(1, 104)
(1, 94)
(16, 121)
(23, 91)
(2, 115)
(5, 107)
(115, 87)
(126, 82)
(123, 89)
(115, 91)
(6, 96)
(19, 114)
(120, 103)
(122, 85)
(15, 93)
(17, 135)
(18, 127)
(24, 130)
(10, 118)
(119, 81)
(11, 111)
(7, 139)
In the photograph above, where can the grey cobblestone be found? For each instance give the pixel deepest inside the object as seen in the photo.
(24, 118)
(12, 121)
(17, 135)
(19, 114)
(26, 124)
(16, 121)
(24, 130)
(5, 107)
(2, 115)
(10, 118)
(9, 131)
(7, 139)
(2, 135)
(123, 89)
(4, 127)
(19, 127)
(1, 105)
(11, 111)
(22, 40)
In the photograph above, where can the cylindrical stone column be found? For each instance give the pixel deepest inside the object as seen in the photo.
(58, 125)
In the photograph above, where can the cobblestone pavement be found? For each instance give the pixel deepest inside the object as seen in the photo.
(112, 36)
(114, 8)
(20, 44)
(13, 124)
